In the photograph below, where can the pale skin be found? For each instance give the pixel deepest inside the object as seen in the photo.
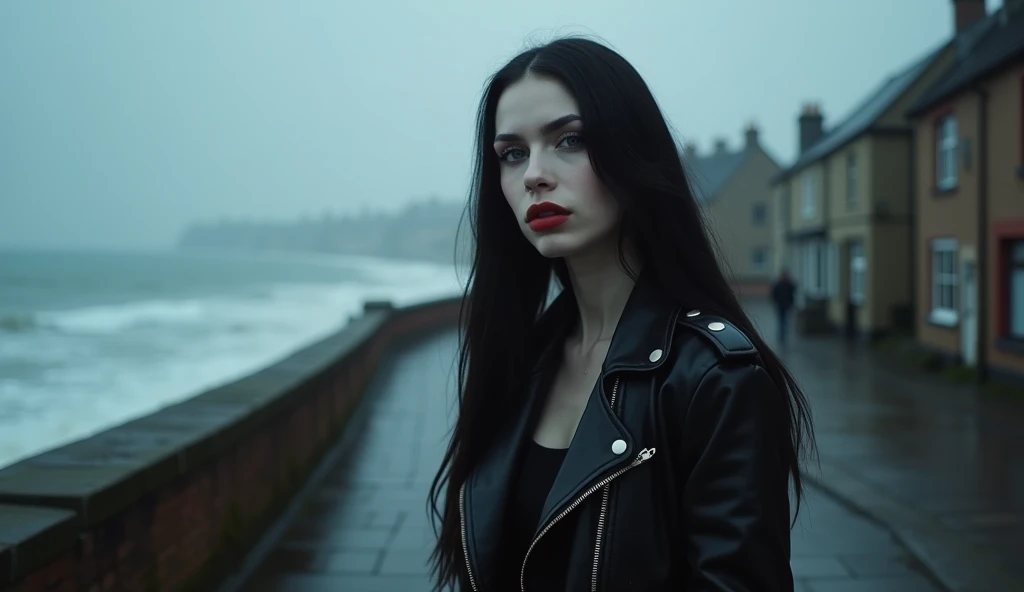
(543, 158)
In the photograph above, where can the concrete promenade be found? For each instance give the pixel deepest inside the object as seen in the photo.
(918, 480)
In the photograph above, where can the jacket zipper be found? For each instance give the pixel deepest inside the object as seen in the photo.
(642, 457)
(604, 509)
(465, 543)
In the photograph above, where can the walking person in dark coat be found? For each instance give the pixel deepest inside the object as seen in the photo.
(783, 296)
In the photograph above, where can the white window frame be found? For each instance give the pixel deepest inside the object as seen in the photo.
(945, 153)
(945, 283)
(809, 194)
(858, 272)
(818, 270)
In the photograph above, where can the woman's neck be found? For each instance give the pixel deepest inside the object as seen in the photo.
(601, 288)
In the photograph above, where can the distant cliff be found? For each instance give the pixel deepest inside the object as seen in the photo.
(422, 231)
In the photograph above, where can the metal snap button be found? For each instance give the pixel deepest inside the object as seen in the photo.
(619, 446)
(693, 313)
(716, 326)
(655, 355)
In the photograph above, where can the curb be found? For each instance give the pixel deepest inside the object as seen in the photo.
(946, 558)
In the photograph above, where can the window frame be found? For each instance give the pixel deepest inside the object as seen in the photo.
(809, 194)
(944, 313)
(759, 214)
(947, 174)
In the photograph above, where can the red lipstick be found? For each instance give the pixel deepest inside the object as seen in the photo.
(546, 216)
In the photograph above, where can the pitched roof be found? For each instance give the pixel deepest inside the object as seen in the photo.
(711, 172)
(862, 117)
(997, 42)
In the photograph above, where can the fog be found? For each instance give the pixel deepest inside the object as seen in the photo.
(121, 123)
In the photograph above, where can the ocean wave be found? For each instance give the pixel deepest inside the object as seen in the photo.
(110, 319)
(72, 372)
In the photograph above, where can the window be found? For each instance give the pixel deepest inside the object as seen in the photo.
(817, 274)
(851, 180)
(944, 282)
(858, 268)
(1016, 284)
(945, 153)
(809, 195)
(759, 258)
(759, 214)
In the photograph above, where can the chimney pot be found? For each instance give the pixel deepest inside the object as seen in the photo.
(811, 125)
(720, 145)
(752, 135)
(967, 12)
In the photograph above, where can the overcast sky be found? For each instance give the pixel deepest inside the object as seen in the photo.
(121, 122)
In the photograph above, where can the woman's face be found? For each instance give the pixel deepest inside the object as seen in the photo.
(560, 205)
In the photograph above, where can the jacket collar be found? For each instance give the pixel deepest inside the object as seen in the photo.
(641, 342)
(646, 326)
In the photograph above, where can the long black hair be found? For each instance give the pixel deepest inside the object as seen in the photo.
(635, 155)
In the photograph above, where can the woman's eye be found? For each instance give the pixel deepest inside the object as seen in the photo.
(512, 154)
(570, 140)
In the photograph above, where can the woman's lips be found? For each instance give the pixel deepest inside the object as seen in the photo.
(548, 222)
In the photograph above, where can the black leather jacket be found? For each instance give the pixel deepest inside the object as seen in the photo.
(676, 475)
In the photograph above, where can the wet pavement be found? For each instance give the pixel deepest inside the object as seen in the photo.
(362, 526)
(940, 464)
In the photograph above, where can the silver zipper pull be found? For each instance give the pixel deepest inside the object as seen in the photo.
(645, 454)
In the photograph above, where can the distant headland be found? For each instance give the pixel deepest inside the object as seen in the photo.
(424, 230)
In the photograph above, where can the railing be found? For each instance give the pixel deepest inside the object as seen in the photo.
(172, 500)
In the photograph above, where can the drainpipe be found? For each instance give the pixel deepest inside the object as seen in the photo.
(982, 266)
(912, 222)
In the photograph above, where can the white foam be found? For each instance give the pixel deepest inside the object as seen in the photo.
(109, 364)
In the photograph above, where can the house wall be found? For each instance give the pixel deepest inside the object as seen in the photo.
(1006, 212)
(890, 255)
(942, 214)
(731, 212)
(780, 227)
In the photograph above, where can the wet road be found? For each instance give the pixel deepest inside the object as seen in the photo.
(934, 463)
(941, 464)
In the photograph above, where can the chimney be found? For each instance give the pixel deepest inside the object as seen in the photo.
(720, 146)
(689, 151)
(967, 12)
(751, 135)
(811, 126)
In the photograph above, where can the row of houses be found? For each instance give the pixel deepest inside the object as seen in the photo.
(907, 215)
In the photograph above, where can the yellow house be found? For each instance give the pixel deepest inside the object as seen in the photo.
(733, 189)
(845, 210)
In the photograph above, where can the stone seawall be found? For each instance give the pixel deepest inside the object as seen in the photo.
(172, 500)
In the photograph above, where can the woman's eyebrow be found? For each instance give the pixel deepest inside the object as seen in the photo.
(547, 128)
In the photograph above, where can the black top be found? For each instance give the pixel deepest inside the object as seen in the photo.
(548, 562)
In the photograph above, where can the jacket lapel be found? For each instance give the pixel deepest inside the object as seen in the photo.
(486, 494)
(645, 327)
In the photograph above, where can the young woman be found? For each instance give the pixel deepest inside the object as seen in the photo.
(635, 434)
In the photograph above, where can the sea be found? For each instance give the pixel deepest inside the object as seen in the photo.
(91, 339)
